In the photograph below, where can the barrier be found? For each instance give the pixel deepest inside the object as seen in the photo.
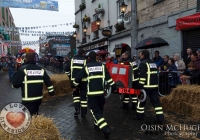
(167, 80)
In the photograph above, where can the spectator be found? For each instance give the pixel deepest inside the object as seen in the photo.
(134, 58)
(179, 63)
(165, 64)
(188, 58)
(190, 75)
(158, 59)
(163, 76)
(196, 60)
(172, 75)
(198, 53)
(11, 68)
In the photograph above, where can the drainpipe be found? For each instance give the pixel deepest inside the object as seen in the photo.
(134, 27)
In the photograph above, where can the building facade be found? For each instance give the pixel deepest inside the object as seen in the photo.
(155, 18)
(6, 20)
(109, 15)
(158, 18)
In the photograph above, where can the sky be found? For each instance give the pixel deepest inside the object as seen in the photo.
(32, 18)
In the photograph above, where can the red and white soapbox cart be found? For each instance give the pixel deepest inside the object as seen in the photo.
(122, 76)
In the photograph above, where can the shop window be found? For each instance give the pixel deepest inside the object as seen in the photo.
(96, 34)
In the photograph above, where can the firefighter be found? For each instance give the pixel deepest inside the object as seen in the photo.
(148, 81)
(30, 78)
(128, 61)
(73, 67)
(96, 74)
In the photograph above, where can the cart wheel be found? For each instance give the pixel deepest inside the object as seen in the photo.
(143, 96)
(107, 92)
(121, 97)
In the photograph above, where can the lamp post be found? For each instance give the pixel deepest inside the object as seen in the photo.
(123, 7)
(98, 22)
(85, 29)
(75, 34)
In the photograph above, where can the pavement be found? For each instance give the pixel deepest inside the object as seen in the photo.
(122, 125)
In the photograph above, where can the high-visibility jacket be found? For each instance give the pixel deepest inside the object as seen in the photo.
(74, 66)
(148, 77)
(30, 78)
(135, 77)
(96, 75)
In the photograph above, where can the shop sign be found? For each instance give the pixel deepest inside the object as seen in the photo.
(188, 22)
(107, 33)
(94, 46)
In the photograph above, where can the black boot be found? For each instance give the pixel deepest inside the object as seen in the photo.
(107, 132)
(76, 112)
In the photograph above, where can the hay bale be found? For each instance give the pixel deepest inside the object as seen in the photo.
(184, 100)
(41, 128)
(62, 86)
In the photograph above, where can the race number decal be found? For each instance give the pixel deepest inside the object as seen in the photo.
(34, 72)
(78, 61)
(95, 69)
(152, 65)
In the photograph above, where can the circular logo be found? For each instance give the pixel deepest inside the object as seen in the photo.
(15, 118)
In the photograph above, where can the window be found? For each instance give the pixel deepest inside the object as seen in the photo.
(95, 17)
(96, 34)
(3, 15)
(7, 17)
(122, 71)
(114, 70)
(10, 22)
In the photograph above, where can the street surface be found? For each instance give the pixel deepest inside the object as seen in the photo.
(61, 109)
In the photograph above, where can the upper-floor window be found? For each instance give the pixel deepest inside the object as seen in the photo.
(96, 34)
(3, 14)
(95, 17)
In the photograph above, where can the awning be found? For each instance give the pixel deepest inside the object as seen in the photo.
(188, 22)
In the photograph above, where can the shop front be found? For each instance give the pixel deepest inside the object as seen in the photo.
(190, 27)
(97, 45)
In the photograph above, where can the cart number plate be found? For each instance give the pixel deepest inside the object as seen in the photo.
(124, 90)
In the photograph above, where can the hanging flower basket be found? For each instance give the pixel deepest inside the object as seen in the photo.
(119, 27)
(82, 6)
(75, 26)
(86, 19)
(99, 9)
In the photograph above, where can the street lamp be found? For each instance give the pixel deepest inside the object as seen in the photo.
(123, 7)
(85, 29)
(98, 22)
(75, 34)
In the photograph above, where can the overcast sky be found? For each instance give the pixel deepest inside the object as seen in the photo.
(32, 18)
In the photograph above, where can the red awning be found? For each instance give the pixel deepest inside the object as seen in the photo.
(188, 22)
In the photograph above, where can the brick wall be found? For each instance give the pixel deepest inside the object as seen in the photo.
(148, 10)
